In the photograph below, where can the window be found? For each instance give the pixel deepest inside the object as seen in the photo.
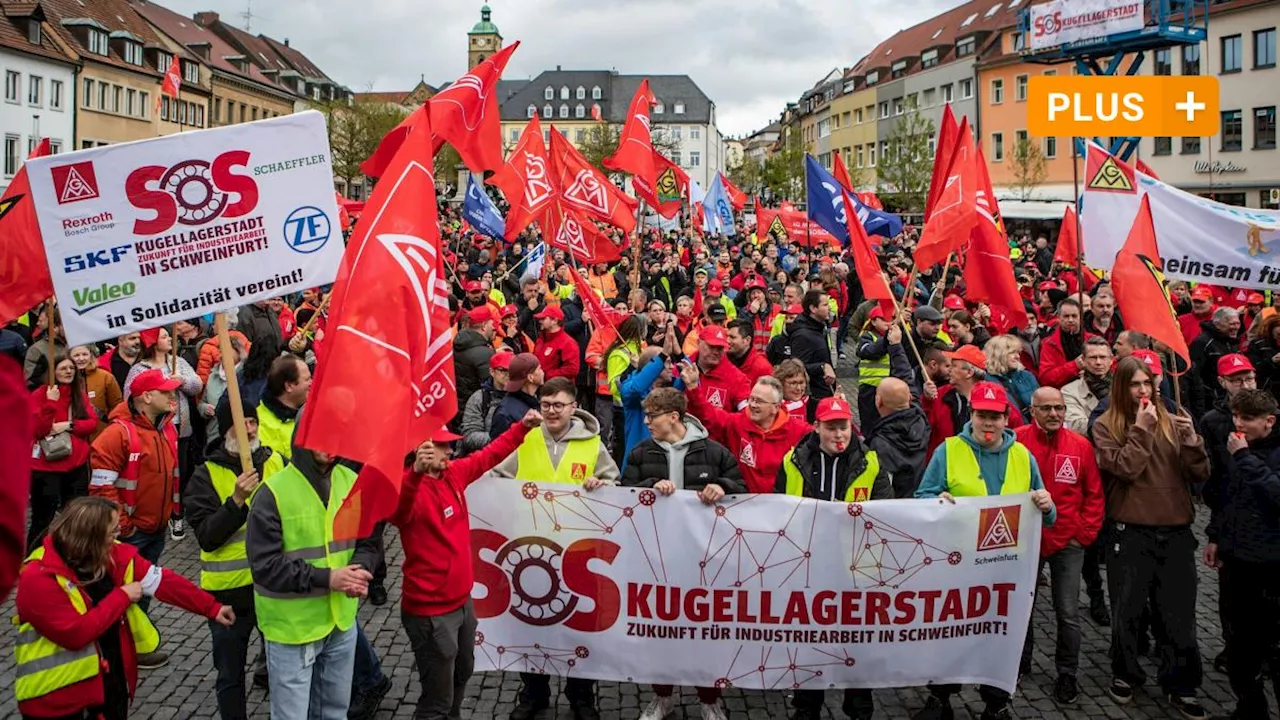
(1019, 41)
(1020, 88)
(549, 94)
(231, 112)
(930, 98)
(899, 69)
(1164, 146)
(131, 102)
(1050, 148)
(1264, 48)
(678, 108)
(1190, 59)
(1264, 128)
(531, 111)
(164, 108)
(33, 31)
(1232, 130)
(55, 94)
(1231, 54)
(118, 100)
(253, 114)
(675, 157)
(595, 93)
(1163, 62)
(163, 61)
(659, 108)
(103, 91)
(933, 146)
(11, 155)
(190, 72)
(897, 107)
(579, 111)
(133, 53)
(546, 136)
(217, 109)
(182, 112)
(564, 92)
(35, 88)
(547, 112)
(1020, 137)
(564, 112)
(857, 155)
(86, 97)
(884, 110)
(997, 147)
(242, 112)
(1050, 73)
(1190, 146)
(928, 58)
(677, 133)
(857, 116)
(997, 91)
(98, 42)
(966, 89)
(969, 20)
(948, 93)
(695, 159)
(965, 47)
(12, 81)
(994, 9)
(55, 147)
(695, 132)
(884, 150)
(871, 155)
(873, 77)
(581, 93)
(579, 135)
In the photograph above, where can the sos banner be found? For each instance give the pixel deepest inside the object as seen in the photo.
(1062, 22)
(143, 234)
(758, 591)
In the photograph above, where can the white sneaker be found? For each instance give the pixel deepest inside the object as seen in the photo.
(713, 711)
(659, 708)
(177, 529)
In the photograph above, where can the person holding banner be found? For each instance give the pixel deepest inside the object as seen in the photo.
(833, 465)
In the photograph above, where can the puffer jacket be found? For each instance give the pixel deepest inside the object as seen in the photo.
(1208, 347)
(901, 440)
(1246, 523)
(110, 456)
(471, 356)
(828, 477)
(706, 462)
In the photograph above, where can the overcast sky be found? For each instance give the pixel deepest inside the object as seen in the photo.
(750, 57)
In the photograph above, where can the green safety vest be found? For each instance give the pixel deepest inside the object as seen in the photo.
(859, 490)
(779, 325)
(873, 371)
(577, 464)
(275, 433)
(44, 667)
(301, 618)
(964, 475)
(228, 566)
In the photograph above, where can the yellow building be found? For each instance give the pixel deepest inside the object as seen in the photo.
(854, 134)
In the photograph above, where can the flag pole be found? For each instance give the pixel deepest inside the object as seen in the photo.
(1075, 178)
(233, 392)
(898, 311)
(635, 252)
(48, 340)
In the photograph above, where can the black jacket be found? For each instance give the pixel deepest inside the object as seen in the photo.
(779, 348)
(510, 411)
(828, 477)
(707, 462)
(1261, 353)
(471, 356)
(259, 324)
(809, 346)
(901, 440)
(1208, 346)
(1247, 526)
(1215, 426)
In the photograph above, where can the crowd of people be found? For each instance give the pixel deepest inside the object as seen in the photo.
(712, 370)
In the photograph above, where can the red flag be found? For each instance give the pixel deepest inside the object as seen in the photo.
(795, 226)
(24, 271)
(635, 146)
(525, 181)
(671, 185)
(172, 79)
(591, 303)
(1138, 278)
(1068, 251)
(465, 114)
(386, 382)
(870, 199)
(583, 188)
(954, 213)
(841, 173)
(787, 206)
(989, 273)
(566, 228)
(870, 275)
(596, 114)
(944, 147)
(344, 217)
(737, 198)
(377, 163)
(1145, 169)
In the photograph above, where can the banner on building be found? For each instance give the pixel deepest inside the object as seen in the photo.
(758, 591)
(142, 234)
(1062, 22)
(1200, 240)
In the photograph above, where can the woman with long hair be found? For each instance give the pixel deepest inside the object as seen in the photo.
(1264, 350)
(102, 387)
(1004, 364)
(59, 471)
(79, 628)
(1150, 457)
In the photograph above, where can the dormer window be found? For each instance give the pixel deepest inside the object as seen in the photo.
(549, 93)
(163, 61)
(899, 69)
(33, 31)
(595, 93)
(929, 58)
(582, 93)
(873, 77)
(679, 108)
(532, 110)
(564, 92)
(133, 53)
(966, 47)
(580, 111)
(659, 108)
(564, 112)
(547, 112)
(98, 44)
(190, 72)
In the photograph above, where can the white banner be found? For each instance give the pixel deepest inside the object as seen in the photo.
(1200, 240)
(142, 234)
(759, 591)
(1059, 22)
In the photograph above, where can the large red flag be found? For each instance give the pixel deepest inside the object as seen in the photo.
(1068, 250)
(583, 188)
(1138, 278)
(24, 271)
(870, 275)
(989, 272)
(670, 187)
(944, 146)
(635, 146)
(737, 198)
(870, 199)
(525, 181)
(465, 114)
(591, 303)
(389, 145)
(954, 214)
(793, 226)
(566, 228)
(386, 382)
(841, 173)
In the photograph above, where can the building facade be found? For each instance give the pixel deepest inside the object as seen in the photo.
(39, 88)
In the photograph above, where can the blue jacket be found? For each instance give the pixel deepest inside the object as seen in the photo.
(633, 388)
(1021, 385)
(992, 463)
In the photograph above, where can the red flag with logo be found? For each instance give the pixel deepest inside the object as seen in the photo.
(465, 114)
(566, 228)
(989, 272)
(870, 275)
(841, 173)
(943, 149)
(737, 198)
(870, 199)
(672, 183)
(635, 146)
(386, 380)
(377, 163)
(1068, 250)
(172, 79)
(1141, 294)
(584, 189)
(955, 211)
(525, 181)
(24, 271)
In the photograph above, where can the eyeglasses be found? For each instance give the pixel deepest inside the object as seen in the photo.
(1240, 379)
(758, 401)
(555, 406)
(650, 416)
(1051, 408)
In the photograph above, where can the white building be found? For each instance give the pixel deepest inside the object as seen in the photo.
(39, 88)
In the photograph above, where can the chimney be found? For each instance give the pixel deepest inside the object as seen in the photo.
(557, 68)
(205, 19)
(286, 42)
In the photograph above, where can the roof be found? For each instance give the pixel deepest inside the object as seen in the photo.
(255, 47)
(616, 92)
(13, 31)
(115, 15)
(291, 55)
(941, 32)
(395, 97)
(485, 26)
(187, 32)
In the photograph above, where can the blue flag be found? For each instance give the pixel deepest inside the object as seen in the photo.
(826, 206)
(716, 209)
(480, 211)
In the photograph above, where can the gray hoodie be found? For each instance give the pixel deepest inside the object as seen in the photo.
(582, 426)
(677, 451)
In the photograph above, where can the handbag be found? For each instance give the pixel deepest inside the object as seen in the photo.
(56, 447)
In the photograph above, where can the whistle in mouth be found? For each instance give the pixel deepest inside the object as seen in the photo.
(988, 436)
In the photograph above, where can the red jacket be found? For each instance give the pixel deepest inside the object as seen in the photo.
(48, 412)
(759, 452)
(43, 602)
(559, 355)
(727, 386)
(1190, 324)
(15, 471)
(1056, 369)
(435, 529)
(941, 423)
(754, 366)
(1070, 474)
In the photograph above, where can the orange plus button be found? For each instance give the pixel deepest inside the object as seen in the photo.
(1123, 106)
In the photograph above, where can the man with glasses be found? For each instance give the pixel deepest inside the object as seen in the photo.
(1217, 339)
(1093, 386)
(565, 449)
(1070, 472)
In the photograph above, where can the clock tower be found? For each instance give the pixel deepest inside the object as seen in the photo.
(483, 40)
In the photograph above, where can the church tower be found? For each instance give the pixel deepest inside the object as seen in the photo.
(483, 40)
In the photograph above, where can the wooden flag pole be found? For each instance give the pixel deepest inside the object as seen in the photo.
(48, 340)
(639, 240)
(233, 393)
(311, 321)
(898, 311)
(173, 349)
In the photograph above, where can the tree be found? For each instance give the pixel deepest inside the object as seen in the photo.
(906, 164)
(1029, 168)
(600, 141)
(355, 129)
(747, 174)
(783, 172)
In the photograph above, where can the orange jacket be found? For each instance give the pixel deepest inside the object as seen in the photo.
(211, 354)
(110, 456)
(600, 341)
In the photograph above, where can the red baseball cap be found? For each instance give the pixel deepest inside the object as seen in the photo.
(481, 314)
(149, 380)
(833, 408)
(877, 312)
(954, 302)
(989, 396)
(714, 336)
(1255, 299)
(473, 286)
(1201, 293)
(969, 354)
(715, 286)
(149, 337)
(757, 282)
(508, 310)
(794, 309)
(1151, 360)
(501, 361)
(1048, 285)
(444, 437)
(551, 311)
(1232, 364)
